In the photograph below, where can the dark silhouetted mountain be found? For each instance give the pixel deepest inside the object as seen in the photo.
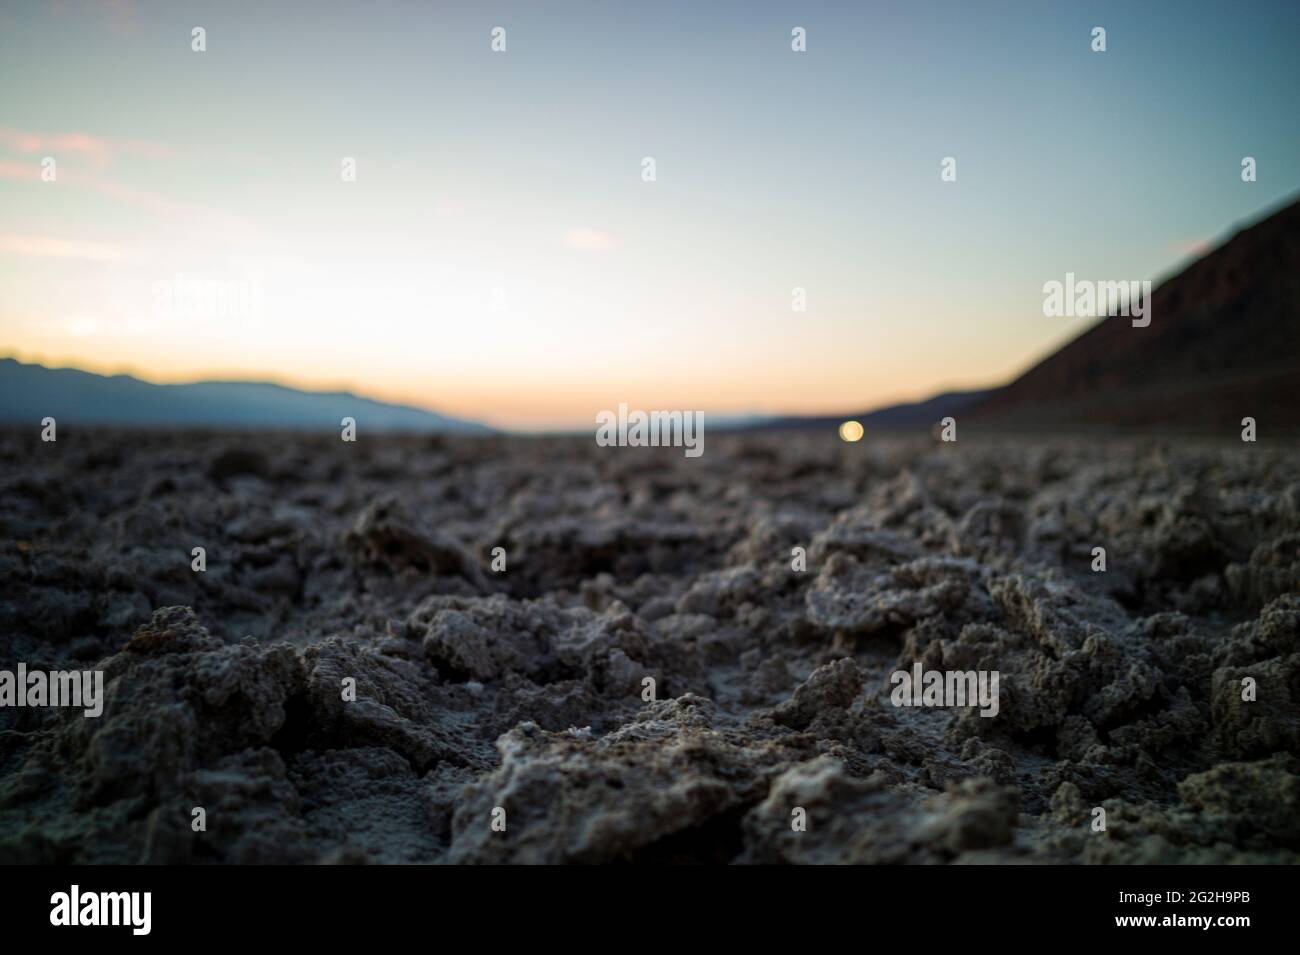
(900, 417)
(31, 392)
(1223, 344)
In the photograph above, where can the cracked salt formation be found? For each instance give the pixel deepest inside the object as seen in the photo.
(524, 690)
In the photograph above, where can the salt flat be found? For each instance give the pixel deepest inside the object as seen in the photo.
(655, 675)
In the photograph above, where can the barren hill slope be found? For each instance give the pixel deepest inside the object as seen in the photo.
(1223, 343)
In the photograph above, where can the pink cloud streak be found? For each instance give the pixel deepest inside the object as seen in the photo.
(99, 150)
(43, 246)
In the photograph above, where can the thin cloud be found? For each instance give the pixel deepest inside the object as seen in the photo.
(143, 198)
(583, 237)
(162, 205)
(22, 171)
(97, 149)
(1192, 247)
(121, 16)
(43, 246)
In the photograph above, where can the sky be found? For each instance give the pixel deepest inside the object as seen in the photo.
(499, 254)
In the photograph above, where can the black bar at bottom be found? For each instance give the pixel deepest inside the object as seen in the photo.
(335, 904)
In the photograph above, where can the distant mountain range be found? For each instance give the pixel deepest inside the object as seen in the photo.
(30, 392)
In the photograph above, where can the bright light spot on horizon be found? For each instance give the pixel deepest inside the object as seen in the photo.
(851, 431)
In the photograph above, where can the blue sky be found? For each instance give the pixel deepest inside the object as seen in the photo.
(499, 255)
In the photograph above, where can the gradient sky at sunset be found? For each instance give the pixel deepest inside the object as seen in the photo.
(521, 172)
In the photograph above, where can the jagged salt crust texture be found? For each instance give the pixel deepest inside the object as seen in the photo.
(523, 689)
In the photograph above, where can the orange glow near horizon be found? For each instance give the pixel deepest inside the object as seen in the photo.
(536, 403)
